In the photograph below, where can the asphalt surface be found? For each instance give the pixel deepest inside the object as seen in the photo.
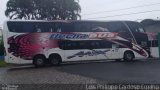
(138, 72)
(46, 75)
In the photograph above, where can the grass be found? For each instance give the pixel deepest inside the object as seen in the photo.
(3, 64)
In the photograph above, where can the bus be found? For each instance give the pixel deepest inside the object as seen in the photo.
(53, 42)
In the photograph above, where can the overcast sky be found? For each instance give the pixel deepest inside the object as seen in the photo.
(90, 9)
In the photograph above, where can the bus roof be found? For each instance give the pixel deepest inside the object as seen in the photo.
(65, 21)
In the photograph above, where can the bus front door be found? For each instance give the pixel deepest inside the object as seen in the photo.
(115, 51)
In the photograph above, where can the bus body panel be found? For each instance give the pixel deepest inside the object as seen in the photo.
(155, 52)
(22, 47)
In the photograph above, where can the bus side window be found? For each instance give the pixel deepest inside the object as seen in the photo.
(114, 46)
(55, 27)
(51, 30)
(37, 28)
(82, 45)
(15, 26)
(28, 27)
(93, 45)
(62, 27)
(67, 27)
(82, 27)
(61, 45)
(100, 44)
(73, 45)
(105, 44)
(99, 27)
(52, 27)
(59, 30)
(42, 27)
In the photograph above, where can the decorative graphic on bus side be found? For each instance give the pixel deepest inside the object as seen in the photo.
(83, 36)
(89, 53)
(27, 45)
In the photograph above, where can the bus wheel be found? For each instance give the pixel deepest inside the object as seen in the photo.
(39, 60)
(128, 56)
(118, 60)
(55, 60)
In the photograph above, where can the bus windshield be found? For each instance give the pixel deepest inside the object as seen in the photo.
(135, 27)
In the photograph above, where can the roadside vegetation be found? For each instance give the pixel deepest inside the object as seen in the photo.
(3, 64)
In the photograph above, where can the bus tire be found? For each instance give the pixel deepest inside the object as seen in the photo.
(118, 60)
(39, 60)
(55, 59)
(128, 56)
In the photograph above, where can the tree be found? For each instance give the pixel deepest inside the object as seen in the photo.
(43, 9)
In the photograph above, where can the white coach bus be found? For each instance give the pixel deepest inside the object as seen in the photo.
(54, 42)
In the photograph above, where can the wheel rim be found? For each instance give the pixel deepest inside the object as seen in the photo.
(39, 61)
(129, 56)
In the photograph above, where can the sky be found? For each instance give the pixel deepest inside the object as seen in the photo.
(110, 10)
(93, 9)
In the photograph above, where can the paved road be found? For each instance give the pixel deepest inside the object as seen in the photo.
(138, 72)
(146, 72)
(46, 75)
